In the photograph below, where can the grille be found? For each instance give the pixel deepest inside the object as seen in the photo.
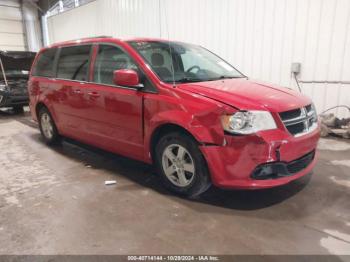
(300, 121)
(301, 163)
(290, 114)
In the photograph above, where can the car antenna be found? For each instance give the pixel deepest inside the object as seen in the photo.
(171, 53)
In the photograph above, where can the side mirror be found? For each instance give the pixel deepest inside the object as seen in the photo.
(126, 77)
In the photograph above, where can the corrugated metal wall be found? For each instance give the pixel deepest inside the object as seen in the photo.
(19, 26)
(11, 26)
(32, 27)
(260, 37)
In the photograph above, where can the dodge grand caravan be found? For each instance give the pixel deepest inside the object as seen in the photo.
(176, 105)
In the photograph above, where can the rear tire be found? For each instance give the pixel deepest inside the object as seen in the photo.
(181, 165)
(48, 128)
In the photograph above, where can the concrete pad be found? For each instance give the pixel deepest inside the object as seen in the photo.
(54, 201)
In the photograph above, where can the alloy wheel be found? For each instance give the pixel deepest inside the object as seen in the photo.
(178, 165)
(46, 125)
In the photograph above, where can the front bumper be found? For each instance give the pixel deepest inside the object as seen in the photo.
(239, 163)
(8, 100)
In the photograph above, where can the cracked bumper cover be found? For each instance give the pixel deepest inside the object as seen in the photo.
(239, 163)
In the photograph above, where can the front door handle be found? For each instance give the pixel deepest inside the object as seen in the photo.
(94, 94)
(77, 91)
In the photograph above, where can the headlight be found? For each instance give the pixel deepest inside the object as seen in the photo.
(2, 87)
(248, 122)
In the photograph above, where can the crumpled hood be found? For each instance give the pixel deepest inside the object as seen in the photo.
(249, 95)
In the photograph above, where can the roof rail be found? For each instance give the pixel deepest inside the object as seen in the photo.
(91, 37)
(99, 36)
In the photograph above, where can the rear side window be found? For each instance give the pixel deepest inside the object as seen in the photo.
(73, 63)
(45, 63)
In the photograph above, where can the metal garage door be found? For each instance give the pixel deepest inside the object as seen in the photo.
(11, 26)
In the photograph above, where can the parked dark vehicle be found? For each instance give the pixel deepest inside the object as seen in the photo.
(14, 73)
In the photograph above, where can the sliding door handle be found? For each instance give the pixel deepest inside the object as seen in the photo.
(94, 94)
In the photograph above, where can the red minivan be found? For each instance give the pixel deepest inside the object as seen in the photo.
(179, 106)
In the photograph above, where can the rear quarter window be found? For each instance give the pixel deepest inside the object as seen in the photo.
(45, 63)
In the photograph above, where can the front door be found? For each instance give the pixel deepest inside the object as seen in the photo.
(115, 112)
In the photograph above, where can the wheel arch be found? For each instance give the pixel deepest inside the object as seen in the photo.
(167, 128)
(164, 129)
(41, 104)
(38, 107)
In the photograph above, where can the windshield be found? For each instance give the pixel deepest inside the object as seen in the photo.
(190, 63)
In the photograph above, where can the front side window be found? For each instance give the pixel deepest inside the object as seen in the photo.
(109, 59)
(179, 62)
(73, 63)
(45, 63)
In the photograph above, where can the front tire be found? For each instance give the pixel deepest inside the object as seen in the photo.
(47, 127)
(181, 165)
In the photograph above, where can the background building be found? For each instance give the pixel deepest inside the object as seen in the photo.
(262, 38)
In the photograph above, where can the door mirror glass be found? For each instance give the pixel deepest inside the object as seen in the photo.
(126, 77)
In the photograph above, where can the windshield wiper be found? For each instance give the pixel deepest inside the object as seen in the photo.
(230, 77)
(225, 77)
(188, 80)
(191, 80)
